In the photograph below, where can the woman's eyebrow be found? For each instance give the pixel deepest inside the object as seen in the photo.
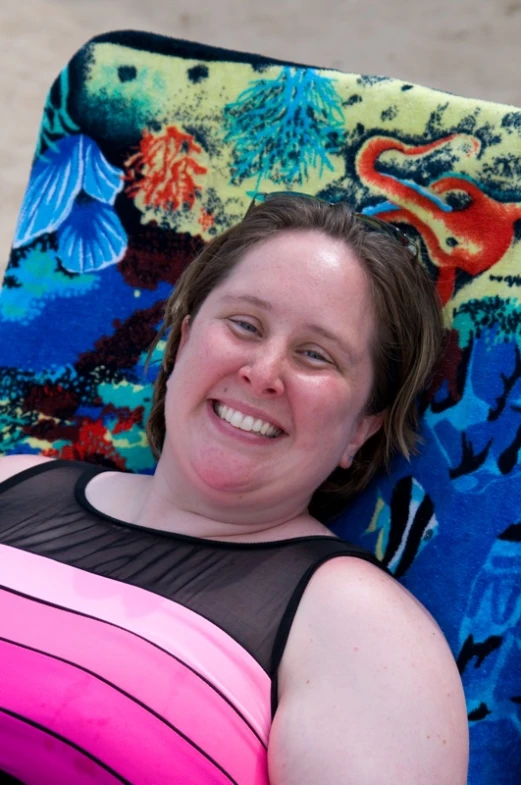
(252, 299)
(354, 356)
(248, 298)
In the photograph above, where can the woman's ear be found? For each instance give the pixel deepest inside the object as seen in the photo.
(185, 332)
(367, 426)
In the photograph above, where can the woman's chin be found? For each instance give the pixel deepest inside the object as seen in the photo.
(218, 471)
(222, 480)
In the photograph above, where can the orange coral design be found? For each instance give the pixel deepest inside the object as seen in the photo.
(127, 418)
(162, 169)
(206, 220)
(472, 239)
(91, 441)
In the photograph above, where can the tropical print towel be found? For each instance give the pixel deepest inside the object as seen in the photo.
(149, 147)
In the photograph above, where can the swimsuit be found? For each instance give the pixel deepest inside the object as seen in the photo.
(133, 655)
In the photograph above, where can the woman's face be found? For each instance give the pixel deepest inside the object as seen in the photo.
(272, 376)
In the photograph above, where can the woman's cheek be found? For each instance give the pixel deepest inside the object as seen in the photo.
(328, 395)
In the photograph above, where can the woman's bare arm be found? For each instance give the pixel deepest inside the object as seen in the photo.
(369, 690)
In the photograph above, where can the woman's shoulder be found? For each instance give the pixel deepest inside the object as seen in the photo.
(350, 604)
(357, 589)
(10, 465)
(362, 618)
(365, 656)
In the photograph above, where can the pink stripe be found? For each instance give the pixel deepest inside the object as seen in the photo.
(143, 671)
(35, 758)
(94, 716)
(201, 644)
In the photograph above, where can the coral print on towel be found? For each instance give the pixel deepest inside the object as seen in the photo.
(162, 171)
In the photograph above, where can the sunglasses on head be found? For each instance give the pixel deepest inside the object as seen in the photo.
(370, 222)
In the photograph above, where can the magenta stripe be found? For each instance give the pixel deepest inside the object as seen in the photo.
(36, 758)
(147, 673)
(92, 715)
(200, 644)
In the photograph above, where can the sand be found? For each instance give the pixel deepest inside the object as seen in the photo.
(468, 47)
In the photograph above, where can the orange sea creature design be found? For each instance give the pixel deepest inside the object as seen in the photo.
(163, 170)
(472, 238)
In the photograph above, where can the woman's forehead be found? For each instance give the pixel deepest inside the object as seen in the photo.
(302, 258)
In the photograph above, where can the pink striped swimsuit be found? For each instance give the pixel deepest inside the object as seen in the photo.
(130, 655)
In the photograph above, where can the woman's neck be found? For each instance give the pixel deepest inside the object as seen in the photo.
(154, 503)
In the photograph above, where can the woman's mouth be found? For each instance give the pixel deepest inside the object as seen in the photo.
(245, 422)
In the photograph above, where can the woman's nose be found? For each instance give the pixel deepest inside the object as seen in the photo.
(264, 373)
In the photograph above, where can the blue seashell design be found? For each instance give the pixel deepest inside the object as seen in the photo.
(72, 191)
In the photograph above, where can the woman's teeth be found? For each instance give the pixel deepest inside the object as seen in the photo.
(245, 422)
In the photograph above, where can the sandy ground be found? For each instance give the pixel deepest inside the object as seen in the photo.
(469, 47)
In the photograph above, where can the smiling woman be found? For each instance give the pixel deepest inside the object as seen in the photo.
(398, 303)
(264, 357)
(220, 629)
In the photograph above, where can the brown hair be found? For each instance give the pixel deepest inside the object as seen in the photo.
(408, 319)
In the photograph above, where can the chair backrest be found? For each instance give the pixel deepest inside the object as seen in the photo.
(148, 147)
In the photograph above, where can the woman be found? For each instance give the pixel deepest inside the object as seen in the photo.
(201, 625)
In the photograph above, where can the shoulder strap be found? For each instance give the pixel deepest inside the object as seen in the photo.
(78, 468)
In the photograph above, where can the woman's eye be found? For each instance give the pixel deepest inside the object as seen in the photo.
(317, 356)
(241, 324)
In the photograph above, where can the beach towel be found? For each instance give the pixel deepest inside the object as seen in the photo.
(148, 148)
